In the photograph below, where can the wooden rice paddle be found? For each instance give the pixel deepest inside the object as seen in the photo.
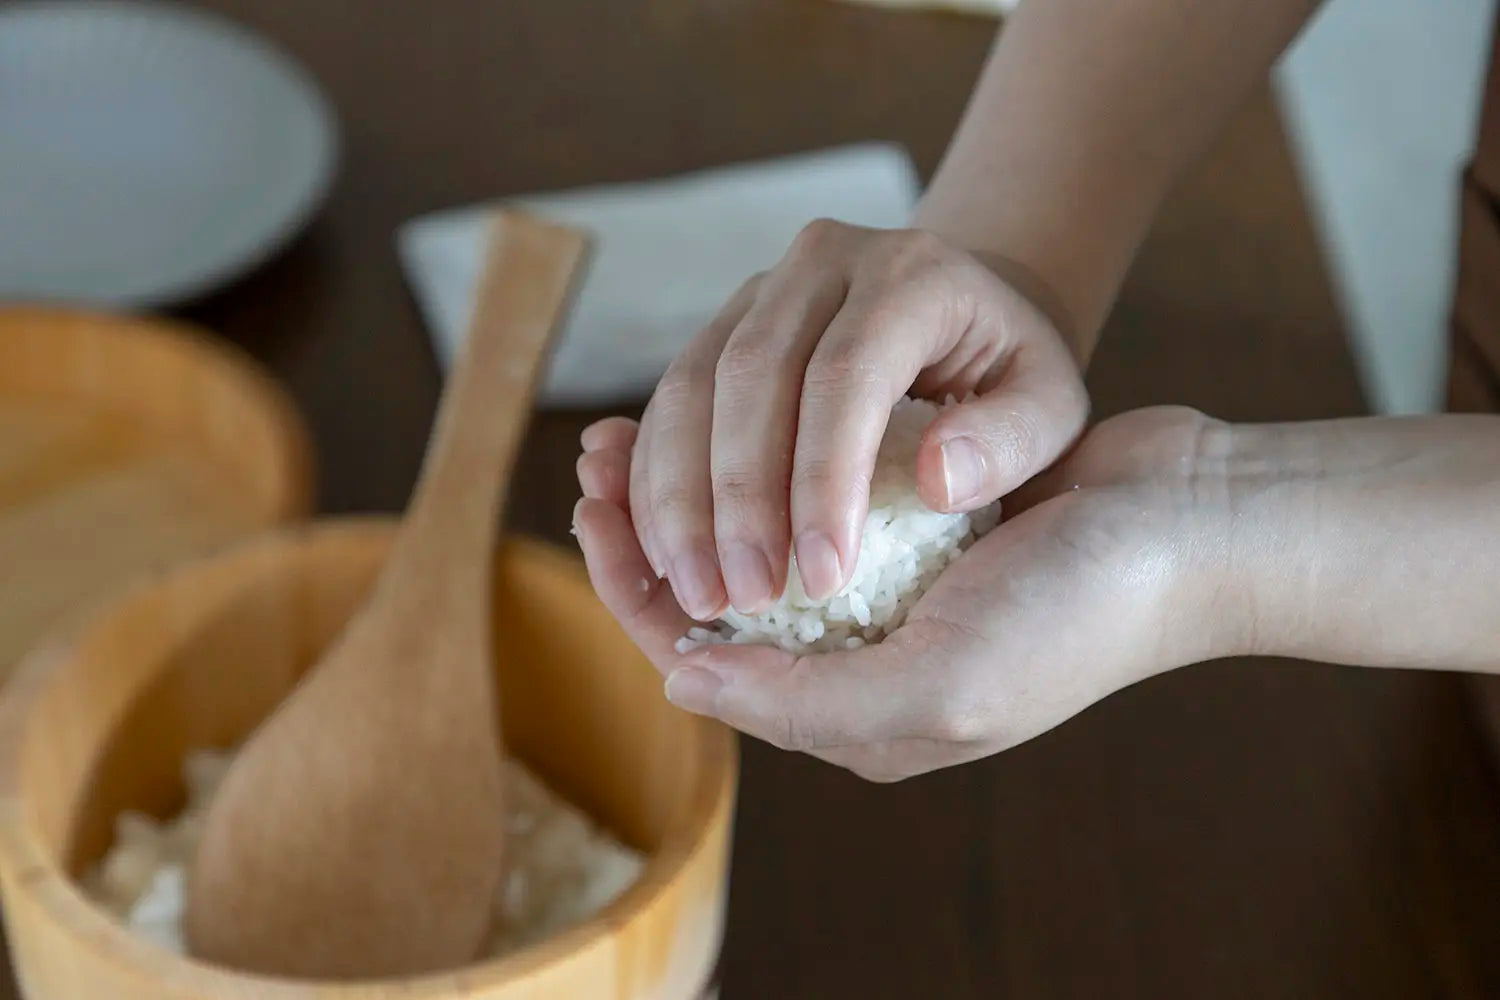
(360, 832)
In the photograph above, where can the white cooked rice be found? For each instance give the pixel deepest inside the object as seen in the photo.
(905, 546)
(561, 868)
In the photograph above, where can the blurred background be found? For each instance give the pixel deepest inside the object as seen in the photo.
(303, 178)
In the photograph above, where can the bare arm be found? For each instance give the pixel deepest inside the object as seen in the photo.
(761, 438)
(1373, 542)
(1084, 118)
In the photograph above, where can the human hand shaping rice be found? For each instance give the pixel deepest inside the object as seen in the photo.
(903, 643)
(762, 437)
(1006, 644)
(750, 479)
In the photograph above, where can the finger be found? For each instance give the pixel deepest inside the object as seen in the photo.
(808, 703)
(982, 449)
(866, 361)
(758, 384)
(681, 486)
(640, 493)
(605, 475)
(611, 433)
(641, 602)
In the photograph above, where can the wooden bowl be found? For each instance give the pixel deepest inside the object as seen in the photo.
(128, 443)
(99, 720)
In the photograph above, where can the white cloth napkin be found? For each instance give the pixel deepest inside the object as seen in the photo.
(667, 255)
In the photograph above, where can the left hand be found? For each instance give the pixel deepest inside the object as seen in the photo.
(1106, 571)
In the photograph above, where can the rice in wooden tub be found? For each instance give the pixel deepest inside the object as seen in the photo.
(561, 867)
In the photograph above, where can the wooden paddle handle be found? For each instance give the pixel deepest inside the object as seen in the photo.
(525, 287)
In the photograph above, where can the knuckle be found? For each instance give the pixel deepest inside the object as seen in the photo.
(594, 466)
(891, 311)
(746, 359)
(689, 371)
(909, 251)
(743, 512)
(746, 293)
(812, 476)
(816, 237)
(824, 483)
(675, 387)
(604, 459)
(670, 506)
(842, 367)
(735, 482)
(741, 490)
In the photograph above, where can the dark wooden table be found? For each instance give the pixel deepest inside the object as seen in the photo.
(1246, 829)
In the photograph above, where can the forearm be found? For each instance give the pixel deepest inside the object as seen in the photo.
(1085, 116)
(1373, 542)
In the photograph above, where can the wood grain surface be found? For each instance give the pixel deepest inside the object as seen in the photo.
(1243, 829)
(103, 719)
(127, 445)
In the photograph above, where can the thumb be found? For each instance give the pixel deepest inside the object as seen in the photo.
(978, 451)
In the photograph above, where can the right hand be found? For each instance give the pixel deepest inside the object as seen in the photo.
(761, 437)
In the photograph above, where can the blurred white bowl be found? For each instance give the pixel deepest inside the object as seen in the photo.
(148, 152)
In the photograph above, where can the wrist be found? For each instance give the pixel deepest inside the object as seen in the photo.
(1256, 488)
(1212, 608)
(1372, 541)
(1170, 502)
(1250, 547)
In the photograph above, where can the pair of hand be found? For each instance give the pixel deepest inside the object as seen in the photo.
(761, 440)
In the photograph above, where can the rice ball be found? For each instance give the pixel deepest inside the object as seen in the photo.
(903, 549)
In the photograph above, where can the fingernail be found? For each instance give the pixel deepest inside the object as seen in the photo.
(747, 576)
(694, 689)
(818, 564)
(695, 579)
(648, 546)
(963, 471)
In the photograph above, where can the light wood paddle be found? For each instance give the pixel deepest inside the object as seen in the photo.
(360, 832)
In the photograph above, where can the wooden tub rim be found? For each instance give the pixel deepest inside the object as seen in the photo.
(294, 479)
(30, 868)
